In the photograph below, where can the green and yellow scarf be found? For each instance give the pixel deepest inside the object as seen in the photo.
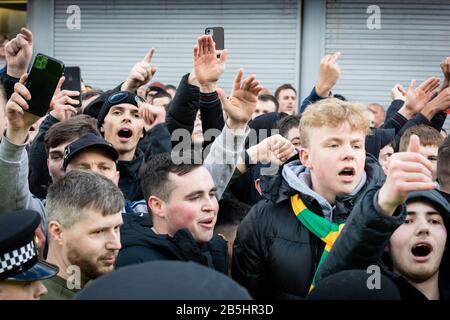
(326, 230)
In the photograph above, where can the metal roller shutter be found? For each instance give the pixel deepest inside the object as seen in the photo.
(413, 39)
(262, 36)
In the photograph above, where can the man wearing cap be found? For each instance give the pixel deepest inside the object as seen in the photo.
(92, 152)
(121, 121)
(20, 268)
(14, 160)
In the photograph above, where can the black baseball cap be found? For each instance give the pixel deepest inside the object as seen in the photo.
(89, 140)
(19, 260)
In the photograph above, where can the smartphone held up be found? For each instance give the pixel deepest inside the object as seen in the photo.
(42, 81)
(218, 36)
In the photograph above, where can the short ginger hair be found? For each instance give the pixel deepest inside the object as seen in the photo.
(332, 113)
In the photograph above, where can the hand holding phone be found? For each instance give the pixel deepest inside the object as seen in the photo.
(19, 121)
(218, 36)
(72, 82)
(41, 83)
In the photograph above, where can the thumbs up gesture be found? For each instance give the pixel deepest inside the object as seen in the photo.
(141, 73)
(407, 171)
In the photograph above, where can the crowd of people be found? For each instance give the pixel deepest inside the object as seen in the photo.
(190, 192)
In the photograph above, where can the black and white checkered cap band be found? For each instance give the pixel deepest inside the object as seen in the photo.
(17, 258)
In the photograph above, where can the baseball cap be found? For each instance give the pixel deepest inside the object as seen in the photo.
(89, 140)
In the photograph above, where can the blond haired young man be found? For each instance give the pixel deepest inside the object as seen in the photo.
(278, 248)
(282, 243)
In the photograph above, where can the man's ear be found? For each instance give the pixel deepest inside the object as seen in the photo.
(56, 231)
(116, 178)
(157, 206)
(305, 158)
(102, 130)
(258, 186)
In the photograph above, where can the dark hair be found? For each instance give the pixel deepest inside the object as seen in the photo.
(284, 87)
(154, 175)
(269, 97)
(171, 86)
(89, 94)
(162, 94)
(70, 130)
(443, 164)
(429, 136)
(287, 123)
(231, 212)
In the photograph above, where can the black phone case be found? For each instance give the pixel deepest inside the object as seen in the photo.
(42, 81)
(217, 35)
(73, 82)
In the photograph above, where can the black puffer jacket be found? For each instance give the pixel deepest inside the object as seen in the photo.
(274, 255)
(141, 244)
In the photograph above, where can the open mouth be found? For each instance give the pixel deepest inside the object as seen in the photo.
(125, 133)
(421, 250)
(347, 172)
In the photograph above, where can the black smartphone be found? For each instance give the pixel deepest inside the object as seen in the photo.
(218, 36)
(42, 81)
(73, 82)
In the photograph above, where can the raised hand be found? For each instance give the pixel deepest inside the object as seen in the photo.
(141, 73)
(207, 67)
(440, 103)
(407, 171)
(240, 106)
(417, 98)
(329, 73)
(152, 115)
(62, 105)
(18, 53)
(274, 149)
(398, 93)
(445, 67)
(19, 121)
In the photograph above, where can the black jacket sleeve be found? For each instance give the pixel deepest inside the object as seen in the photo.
(156, 141)
(184, 107)
(211, 114)
(393, 108)
(364, 237)
(438, 120)
(313, 97)
(39, 177)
